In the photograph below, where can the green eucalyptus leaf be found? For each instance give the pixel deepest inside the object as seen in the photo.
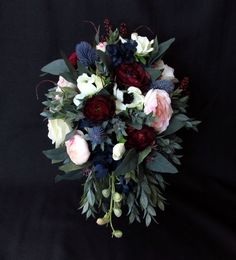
(148, 220)
(174, 126)
(82, 69)
(155, 49)
(58, 154)
(104, 58)
(128, 164)
(69, 66)
(69, 176)
(143, 154)
(154, 73)
(161, 205)
(46, 114)
(55, 67)
(143, 200)
(91, 197)
(151, 210)
(159, 163)
(70, 167)
(182, 117)
(163, 47)
(69, 77)
(97, 36)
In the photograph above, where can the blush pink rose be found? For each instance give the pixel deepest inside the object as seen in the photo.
(158, 101)
(77, 149)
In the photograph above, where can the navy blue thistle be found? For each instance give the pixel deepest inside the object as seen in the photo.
(86, 53)
(102, 161)
(96, 135)
(122, 52)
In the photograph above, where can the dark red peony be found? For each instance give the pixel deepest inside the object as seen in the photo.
(99, 108)
(140, 139)
(133, 75)
(73, 59)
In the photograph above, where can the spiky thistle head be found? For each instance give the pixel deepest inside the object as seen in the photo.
(96, 135)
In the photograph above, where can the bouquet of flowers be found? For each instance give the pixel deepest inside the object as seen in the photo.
(113, 116)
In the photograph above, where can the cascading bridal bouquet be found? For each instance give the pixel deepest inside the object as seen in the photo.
(113, 117)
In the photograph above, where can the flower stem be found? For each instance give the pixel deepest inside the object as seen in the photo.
(112, 185)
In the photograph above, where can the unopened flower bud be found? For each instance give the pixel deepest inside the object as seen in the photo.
(106, 193)
(100, 221)
(117, 233)
(118, 151)
(103, 221)
(117, 197)
(117, 212)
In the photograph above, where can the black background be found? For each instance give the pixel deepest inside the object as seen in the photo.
(38, 219)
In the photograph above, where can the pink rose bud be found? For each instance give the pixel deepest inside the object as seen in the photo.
(158, 102)
(77, 149)
(101, 46)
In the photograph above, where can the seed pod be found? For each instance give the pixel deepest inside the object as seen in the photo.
(106, 193)
(117, 233)
(117, 212)
(117, 197)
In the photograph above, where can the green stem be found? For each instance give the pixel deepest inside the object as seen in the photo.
(112, 184)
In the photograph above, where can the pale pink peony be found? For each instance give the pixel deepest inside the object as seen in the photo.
(158, 102)
(77, 149)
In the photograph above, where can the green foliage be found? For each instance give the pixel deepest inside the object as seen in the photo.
(97, 36)
(104, 65)
(119, 127)
(138, 118)
(70, 67)
(76, 175)
(154, 53)
(159, 163)
(143, 154)
(56, 67)
(128, 164)
(70, 167)
(62, 107)
(145, 197)
(154, 73)
(179, 121)
(162, 48)
(140, 59)
(88, 199)
(113, 37)
(82, 69)
(169, 146)
(58, 154)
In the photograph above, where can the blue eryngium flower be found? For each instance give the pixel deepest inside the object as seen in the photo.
(96, 135)
(101, 170)
(123, 186)
(86, 54)
(102, 161)
(122, 52)
(166, 85)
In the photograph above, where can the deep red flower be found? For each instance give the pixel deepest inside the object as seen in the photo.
(140, 139)
(73, 59)
(133, 75)
(99, 108)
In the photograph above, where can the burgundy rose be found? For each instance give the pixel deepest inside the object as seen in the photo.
(73, 59)
(140, 139)
(133, 75)
(99, 108)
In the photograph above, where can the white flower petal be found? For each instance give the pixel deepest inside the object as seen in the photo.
(57, 130)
